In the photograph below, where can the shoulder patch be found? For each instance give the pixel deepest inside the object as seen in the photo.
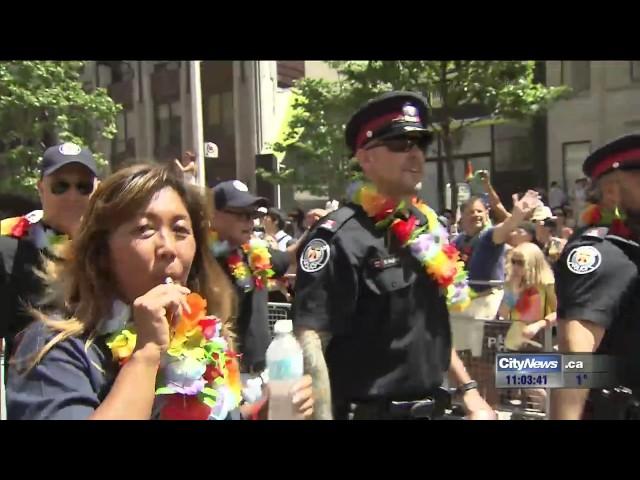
(315, 255)
(584, 259)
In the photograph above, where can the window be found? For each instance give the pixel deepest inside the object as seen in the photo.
(227, 112)
(573, 155)
(169, 126)
(214, 117)
(161, 66)
(125, 124)
(635, 70)
(577, 75)
(513, 154)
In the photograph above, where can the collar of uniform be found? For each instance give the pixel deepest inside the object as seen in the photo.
(43, 236)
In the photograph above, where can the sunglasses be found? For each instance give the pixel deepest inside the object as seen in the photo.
(519, 263)
(60, 187)
(402, 144)
(244, 215)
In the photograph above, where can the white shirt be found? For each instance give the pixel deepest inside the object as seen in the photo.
(556, 197)
(283, 239)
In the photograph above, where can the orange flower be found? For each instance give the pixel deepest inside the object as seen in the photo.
(259, 261)
(189, 320)
(233, 375)
(372, 202)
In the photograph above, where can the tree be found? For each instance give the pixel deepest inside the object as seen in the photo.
(460, 93)
(41, 104)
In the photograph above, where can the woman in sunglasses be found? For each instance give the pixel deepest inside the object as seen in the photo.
(529, 299)
(125, 336)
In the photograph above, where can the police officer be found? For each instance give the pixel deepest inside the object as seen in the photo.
(597, 283)
(373, 324)
(68, 176)
(234, 211)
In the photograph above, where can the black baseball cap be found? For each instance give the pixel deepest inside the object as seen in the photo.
(58, 156)
(389, 115)
(235, 194)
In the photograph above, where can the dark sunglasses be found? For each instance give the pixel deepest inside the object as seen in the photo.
(244, 215)
(59, 187)
(402, 144)
(517, 262)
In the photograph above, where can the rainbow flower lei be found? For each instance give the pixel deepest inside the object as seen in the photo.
(259, 270)
(428, 243)
(30, 225)
(199, 375)
(614, 219)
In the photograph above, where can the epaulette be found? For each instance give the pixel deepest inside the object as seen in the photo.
(336, 219)
(597, 233)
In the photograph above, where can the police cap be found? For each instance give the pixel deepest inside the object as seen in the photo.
(389, 115)
(623, 152)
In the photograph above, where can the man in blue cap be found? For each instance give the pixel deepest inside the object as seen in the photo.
(68, 177)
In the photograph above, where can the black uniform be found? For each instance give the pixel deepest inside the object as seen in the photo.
(388, 320)
(252, 326)
(19, 259)
(597, 280)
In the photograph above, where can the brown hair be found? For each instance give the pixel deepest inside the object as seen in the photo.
(82, 285)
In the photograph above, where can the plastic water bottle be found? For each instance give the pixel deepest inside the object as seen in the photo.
(285, 367)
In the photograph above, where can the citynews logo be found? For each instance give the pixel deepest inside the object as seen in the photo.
(528, 363)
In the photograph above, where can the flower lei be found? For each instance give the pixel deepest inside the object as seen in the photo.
(614, 219)
(30, 225)
(257, 273)
(428, 243)
(199, 373)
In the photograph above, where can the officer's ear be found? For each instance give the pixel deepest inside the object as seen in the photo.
(363, 158)
(609, 187)
(40, 187)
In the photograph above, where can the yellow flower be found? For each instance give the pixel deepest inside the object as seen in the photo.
(123, 344)
(371, 201)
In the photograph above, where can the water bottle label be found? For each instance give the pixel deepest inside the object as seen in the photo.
(286, 368)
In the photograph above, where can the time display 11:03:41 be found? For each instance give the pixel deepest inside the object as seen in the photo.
(526, 379)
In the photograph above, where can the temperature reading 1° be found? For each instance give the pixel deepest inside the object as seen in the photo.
(581, 377)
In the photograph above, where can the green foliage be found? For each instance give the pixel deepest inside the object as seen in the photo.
(317, 158)
(41, 103)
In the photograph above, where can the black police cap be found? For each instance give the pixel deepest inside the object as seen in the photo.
(58, 156)
(623, 152)
(388, 115)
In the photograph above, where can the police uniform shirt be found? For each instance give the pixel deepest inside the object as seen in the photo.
(19, 258)
(67, 384)
(388, 319)
(252, 326)
(597, 281)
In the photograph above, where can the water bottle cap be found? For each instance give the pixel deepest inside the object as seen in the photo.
(283, 326)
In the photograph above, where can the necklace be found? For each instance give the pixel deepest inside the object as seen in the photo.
(428, 243)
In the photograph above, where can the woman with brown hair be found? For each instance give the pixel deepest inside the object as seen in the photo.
(118, 303)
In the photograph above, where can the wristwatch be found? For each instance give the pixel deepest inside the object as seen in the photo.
(465, 387)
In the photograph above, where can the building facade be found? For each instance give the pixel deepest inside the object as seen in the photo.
(605, 104)
(239, 110)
